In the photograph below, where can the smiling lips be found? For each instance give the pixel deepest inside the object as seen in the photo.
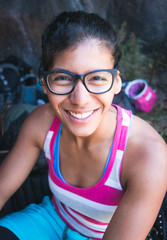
(81, 115)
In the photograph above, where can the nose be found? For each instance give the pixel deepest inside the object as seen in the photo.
(79, 96)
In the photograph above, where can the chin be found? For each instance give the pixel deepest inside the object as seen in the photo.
(82, 132)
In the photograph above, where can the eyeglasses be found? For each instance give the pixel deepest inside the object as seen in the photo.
(62, 82)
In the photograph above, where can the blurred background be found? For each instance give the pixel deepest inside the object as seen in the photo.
(141, 26)
(142, 30)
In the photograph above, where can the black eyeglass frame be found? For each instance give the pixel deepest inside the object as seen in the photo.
(76, 77)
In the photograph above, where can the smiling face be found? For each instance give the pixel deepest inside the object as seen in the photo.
(82, 112)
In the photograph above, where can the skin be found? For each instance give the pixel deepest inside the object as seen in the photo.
(88, 140)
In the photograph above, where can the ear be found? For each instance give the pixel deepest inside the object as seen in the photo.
(117, 83)
(44, 88)
(43, 84)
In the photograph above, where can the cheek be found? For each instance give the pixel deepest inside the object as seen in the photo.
(106, 99)
(55, 104)
(56, 101)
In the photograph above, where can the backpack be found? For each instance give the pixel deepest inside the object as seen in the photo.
(9, 83)
(17, 82)
(159, 230)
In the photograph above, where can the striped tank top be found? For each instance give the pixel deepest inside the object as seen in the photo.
(89, 210)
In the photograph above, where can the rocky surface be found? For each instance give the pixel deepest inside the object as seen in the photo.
(22, 22)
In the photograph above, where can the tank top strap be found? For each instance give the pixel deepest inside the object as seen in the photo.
(124, 118)
(50, 137)
(55, 124)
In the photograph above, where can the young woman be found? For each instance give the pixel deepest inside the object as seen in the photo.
(107, 169)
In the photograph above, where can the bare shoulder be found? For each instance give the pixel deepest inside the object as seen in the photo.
(146, 154)
(146, 138)
(43, 113)
(37, 124)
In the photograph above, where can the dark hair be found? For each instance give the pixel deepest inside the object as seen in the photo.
(70, 28)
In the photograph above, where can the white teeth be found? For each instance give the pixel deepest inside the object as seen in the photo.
(81, 115)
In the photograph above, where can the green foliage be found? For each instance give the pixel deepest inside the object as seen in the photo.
(133, 64)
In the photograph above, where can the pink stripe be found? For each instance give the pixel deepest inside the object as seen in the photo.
(80, 223)
(65, 220)
(55, 127)
(107, 196)
(123, 137)
(52, 148)
(115, 143)
(57, 209)
(124, 134)
(72, 227)
(89, 219)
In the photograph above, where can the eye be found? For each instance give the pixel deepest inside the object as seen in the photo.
(60, 79)
(98, 79)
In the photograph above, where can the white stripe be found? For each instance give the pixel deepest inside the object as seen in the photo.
(126, 118)
(148, 96)
(113, 180)
(112, 183)
(89, 208)
(47, 144)
(87, 223)
(83, 230)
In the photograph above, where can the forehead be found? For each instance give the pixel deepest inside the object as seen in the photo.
(87, 55)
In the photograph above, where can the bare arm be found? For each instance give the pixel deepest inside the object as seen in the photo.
(20, 161)
(146, 185)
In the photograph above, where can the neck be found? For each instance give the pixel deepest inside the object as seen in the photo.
(104, 133)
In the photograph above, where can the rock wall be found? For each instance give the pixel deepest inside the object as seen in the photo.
(22, 22)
